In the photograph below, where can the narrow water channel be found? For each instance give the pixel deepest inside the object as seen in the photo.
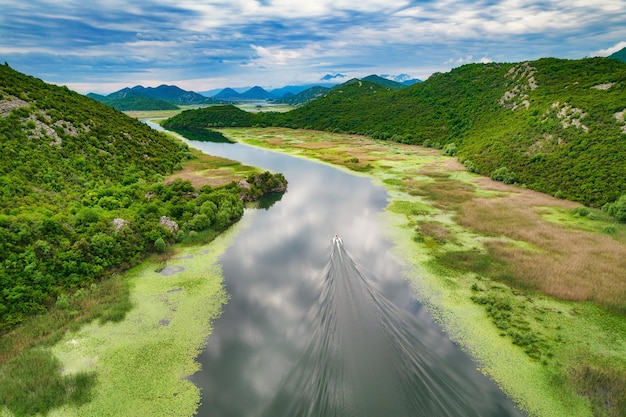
(319, 327)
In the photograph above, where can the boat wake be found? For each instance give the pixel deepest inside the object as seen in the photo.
(366, 357)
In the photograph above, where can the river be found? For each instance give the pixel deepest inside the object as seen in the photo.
(318, 326)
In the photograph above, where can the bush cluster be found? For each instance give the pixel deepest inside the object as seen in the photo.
(49, 254)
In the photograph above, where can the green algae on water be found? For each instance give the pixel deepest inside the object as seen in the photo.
(142, 364)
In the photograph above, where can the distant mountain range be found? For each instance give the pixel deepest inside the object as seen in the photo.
(130, 103)
(298, 95)
(303, 97)
(404, 79)
(163, 97)
(166, 97)
(254, 93)
(228, 94)
(385, 82)
(329, 77)
(169, 93)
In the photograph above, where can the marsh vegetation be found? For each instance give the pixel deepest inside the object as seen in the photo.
(547, 274)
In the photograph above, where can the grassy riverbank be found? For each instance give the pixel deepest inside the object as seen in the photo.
(531, 285)
(124, 345)
(142, 362)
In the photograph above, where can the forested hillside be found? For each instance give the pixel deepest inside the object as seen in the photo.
(81, 194)
(303, 97)
(557, 126)
(163, 97)
(130, 103)
(621, 55)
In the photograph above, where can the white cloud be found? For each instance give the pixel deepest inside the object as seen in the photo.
(606, 52)
(467, 59)
(274, 55)
(276, 41)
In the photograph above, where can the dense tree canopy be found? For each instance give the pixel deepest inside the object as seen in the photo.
(82, 194)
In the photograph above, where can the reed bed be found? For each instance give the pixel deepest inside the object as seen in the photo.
(567, 264)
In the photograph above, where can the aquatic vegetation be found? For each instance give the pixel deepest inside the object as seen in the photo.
(553, 356)
(141, 363)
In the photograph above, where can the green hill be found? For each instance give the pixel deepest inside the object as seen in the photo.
(133, 102)
(215, 116)
(394, 85)
(169, 93)
(303, 97)
(163, 97)
(556, 126)
(81, 194)
(621, 55)
(69, 167)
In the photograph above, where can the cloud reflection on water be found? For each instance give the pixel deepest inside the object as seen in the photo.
(275, 272)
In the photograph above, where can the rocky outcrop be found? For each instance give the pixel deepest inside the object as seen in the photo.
(257, 185)
(169, 224)
(119, 224)
(8, 103)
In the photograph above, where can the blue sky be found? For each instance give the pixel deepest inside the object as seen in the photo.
(104, 45)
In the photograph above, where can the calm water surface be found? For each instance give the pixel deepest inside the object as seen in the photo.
(317, 327)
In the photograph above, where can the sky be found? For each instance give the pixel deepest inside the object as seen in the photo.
(102, 46)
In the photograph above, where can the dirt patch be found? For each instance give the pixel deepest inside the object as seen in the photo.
(213, 178)
(210, 170)
(315, 145)
(275, 141)
(442, 165)
(603, 86)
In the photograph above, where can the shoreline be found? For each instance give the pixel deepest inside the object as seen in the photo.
(174, 306)
(540, 386)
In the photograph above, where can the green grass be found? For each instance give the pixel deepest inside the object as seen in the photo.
(603, 385)
(585, 218)
(510, 315)
(411, 208)
(32, 383)
(106, 301)
(31, 379)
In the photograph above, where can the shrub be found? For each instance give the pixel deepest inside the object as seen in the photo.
(617, 209)
(32, 383)
(580, 211)
(160, 245)
(609, 230)
(503, 174)
(470, 166)
(450, 149)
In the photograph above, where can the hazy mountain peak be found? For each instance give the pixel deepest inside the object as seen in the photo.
(329, 77)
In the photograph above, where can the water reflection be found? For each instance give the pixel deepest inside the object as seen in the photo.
(291, 344)
(365, 357)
